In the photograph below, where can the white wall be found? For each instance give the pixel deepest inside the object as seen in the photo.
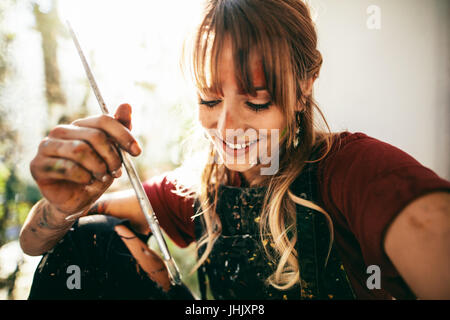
(391, 83)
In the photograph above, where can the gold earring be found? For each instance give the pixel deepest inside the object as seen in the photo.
(298, 118)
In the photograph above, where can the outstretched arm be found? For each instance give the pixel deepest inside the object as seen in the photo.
(418, 244)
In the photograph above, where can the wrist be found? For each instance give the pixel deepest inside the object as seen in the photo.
(51, 217)
(74, 216)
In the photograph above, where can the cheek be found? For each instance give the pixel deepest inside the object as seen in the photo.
(281, 122)
(203, 117)
(207, 118)
(274, 120)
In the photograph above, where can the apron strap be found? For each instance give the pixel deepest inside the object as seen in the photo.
(317, 281)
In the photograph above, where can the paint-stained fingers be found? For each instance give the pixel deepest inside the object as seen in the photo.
(97, 140)
(78, 151)
(123, 115)
(47, 169)
(114, 129)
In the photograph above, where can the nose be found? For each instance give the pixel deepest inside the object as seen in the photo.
(229, 118)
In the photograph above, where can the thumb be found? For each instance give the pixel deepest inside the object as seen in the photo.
(123, 115)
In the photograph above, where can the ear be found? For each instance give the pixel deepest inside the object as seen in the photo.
(306, 86)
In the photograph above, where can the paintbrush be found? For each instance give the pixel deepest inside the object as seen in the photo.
(144, 202)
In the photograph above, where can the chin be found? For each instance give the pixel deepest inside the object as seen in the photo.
(239, 167)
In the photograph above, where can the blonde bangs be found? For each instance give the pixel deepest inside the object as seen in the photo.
(251, 36)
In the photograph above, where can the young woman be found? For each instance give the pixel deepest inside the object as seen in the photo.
(283, 210)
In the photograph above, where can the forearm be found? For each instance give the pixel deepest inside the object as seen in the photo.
(44, 228)
(122, 205)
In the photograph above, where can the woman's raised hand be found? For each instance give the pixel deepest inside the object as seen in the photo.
(76, 163)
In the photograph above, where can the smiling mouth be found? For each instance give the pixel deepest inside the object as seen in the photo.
(237, 150)
(238, 146)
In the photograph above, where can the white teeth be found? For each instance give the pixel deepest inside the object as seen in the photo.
(239, 146)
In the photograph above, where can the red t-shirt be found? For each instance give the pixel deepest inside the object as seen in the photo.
(363, 184)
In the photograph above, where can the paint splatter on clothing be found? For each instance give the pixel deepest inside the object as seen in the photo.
(107, 268)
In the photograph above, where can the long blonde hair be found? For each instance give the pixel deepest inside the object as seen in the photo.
(283, 33)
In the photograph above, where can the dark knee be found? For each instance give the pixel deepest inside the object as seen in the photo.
(98, 222)
(93, 233)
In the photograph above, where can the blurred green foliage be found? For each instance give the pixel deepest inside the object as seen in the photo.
(17, 198)
(18, 195)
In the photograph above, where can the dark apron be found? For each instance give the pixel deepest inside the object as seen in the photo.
(237, 267)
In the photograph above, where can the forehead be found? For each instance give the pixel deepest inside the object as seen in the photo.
(228, 73)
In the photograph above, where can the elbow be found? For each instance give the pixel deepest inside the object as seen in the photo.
(26, 244)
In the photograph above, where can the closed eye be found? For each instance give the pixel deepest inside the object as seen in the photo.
(258, 107)
(210, 103)
(254, 106)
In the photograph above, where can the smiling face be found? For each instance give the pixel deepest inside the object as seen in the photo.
(243, 127)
